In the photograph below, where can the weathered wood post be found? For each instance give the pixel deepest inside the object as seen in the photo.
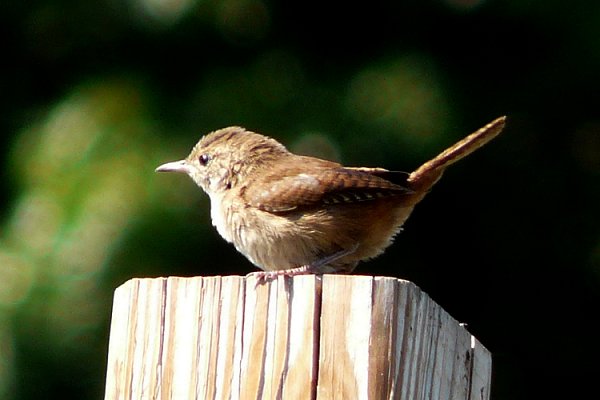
(306, 337)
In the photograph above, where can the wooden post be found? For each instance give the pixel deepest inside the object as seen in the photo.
(306, 337)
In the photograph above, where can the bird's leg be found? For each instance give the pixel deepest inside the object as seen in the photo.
(313, 268)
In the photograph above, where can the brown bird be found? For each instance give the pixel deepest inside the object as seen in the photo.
(291, 214)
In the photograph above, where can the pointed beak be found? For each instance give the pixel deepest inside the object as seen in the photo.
(175, 166)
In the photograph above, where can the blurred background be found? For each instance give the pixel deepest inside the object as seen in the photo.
(95, 95)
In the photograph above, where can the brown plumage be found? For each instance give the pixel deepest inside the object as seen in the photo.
(292, 214)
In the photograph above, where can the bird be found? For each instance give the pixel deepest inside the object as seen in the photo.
(293, 214)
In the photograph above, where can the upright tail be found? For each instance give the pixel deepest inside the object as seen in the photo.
(424, 177)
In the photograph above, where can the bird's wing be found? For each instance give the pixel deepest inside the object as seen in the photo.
(317, 187)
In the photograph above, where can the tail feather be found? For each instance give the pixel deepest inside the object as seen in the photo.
(424, 177)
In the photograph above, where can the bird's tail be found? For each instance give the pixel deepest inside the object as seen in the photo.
(424, 177)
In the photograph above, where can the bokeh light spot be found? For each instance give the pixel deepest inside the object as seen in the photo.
(36, 222)
(242, 21)
(17, 278)
(403, 97)
(163, 11)
(317, 145)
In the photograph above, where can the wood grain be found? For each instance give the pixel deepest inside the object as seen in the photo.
(305, 337)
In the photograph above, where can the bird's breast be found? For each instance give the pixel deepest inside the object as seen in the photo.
(220, 214)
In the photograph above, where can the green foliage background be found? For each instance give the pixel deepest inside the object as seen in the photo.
(94, 95)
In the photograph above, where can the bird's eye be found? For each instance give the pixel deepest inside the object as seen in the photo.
(203, 159)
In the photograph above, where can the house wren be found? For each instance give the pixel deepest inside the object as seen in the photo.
(291, 214)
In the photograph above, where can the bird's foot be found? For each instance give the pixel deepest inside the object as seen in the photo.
(319, 267)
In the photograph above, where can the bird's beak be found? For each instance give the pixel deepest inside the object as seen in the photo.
(175, 166)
